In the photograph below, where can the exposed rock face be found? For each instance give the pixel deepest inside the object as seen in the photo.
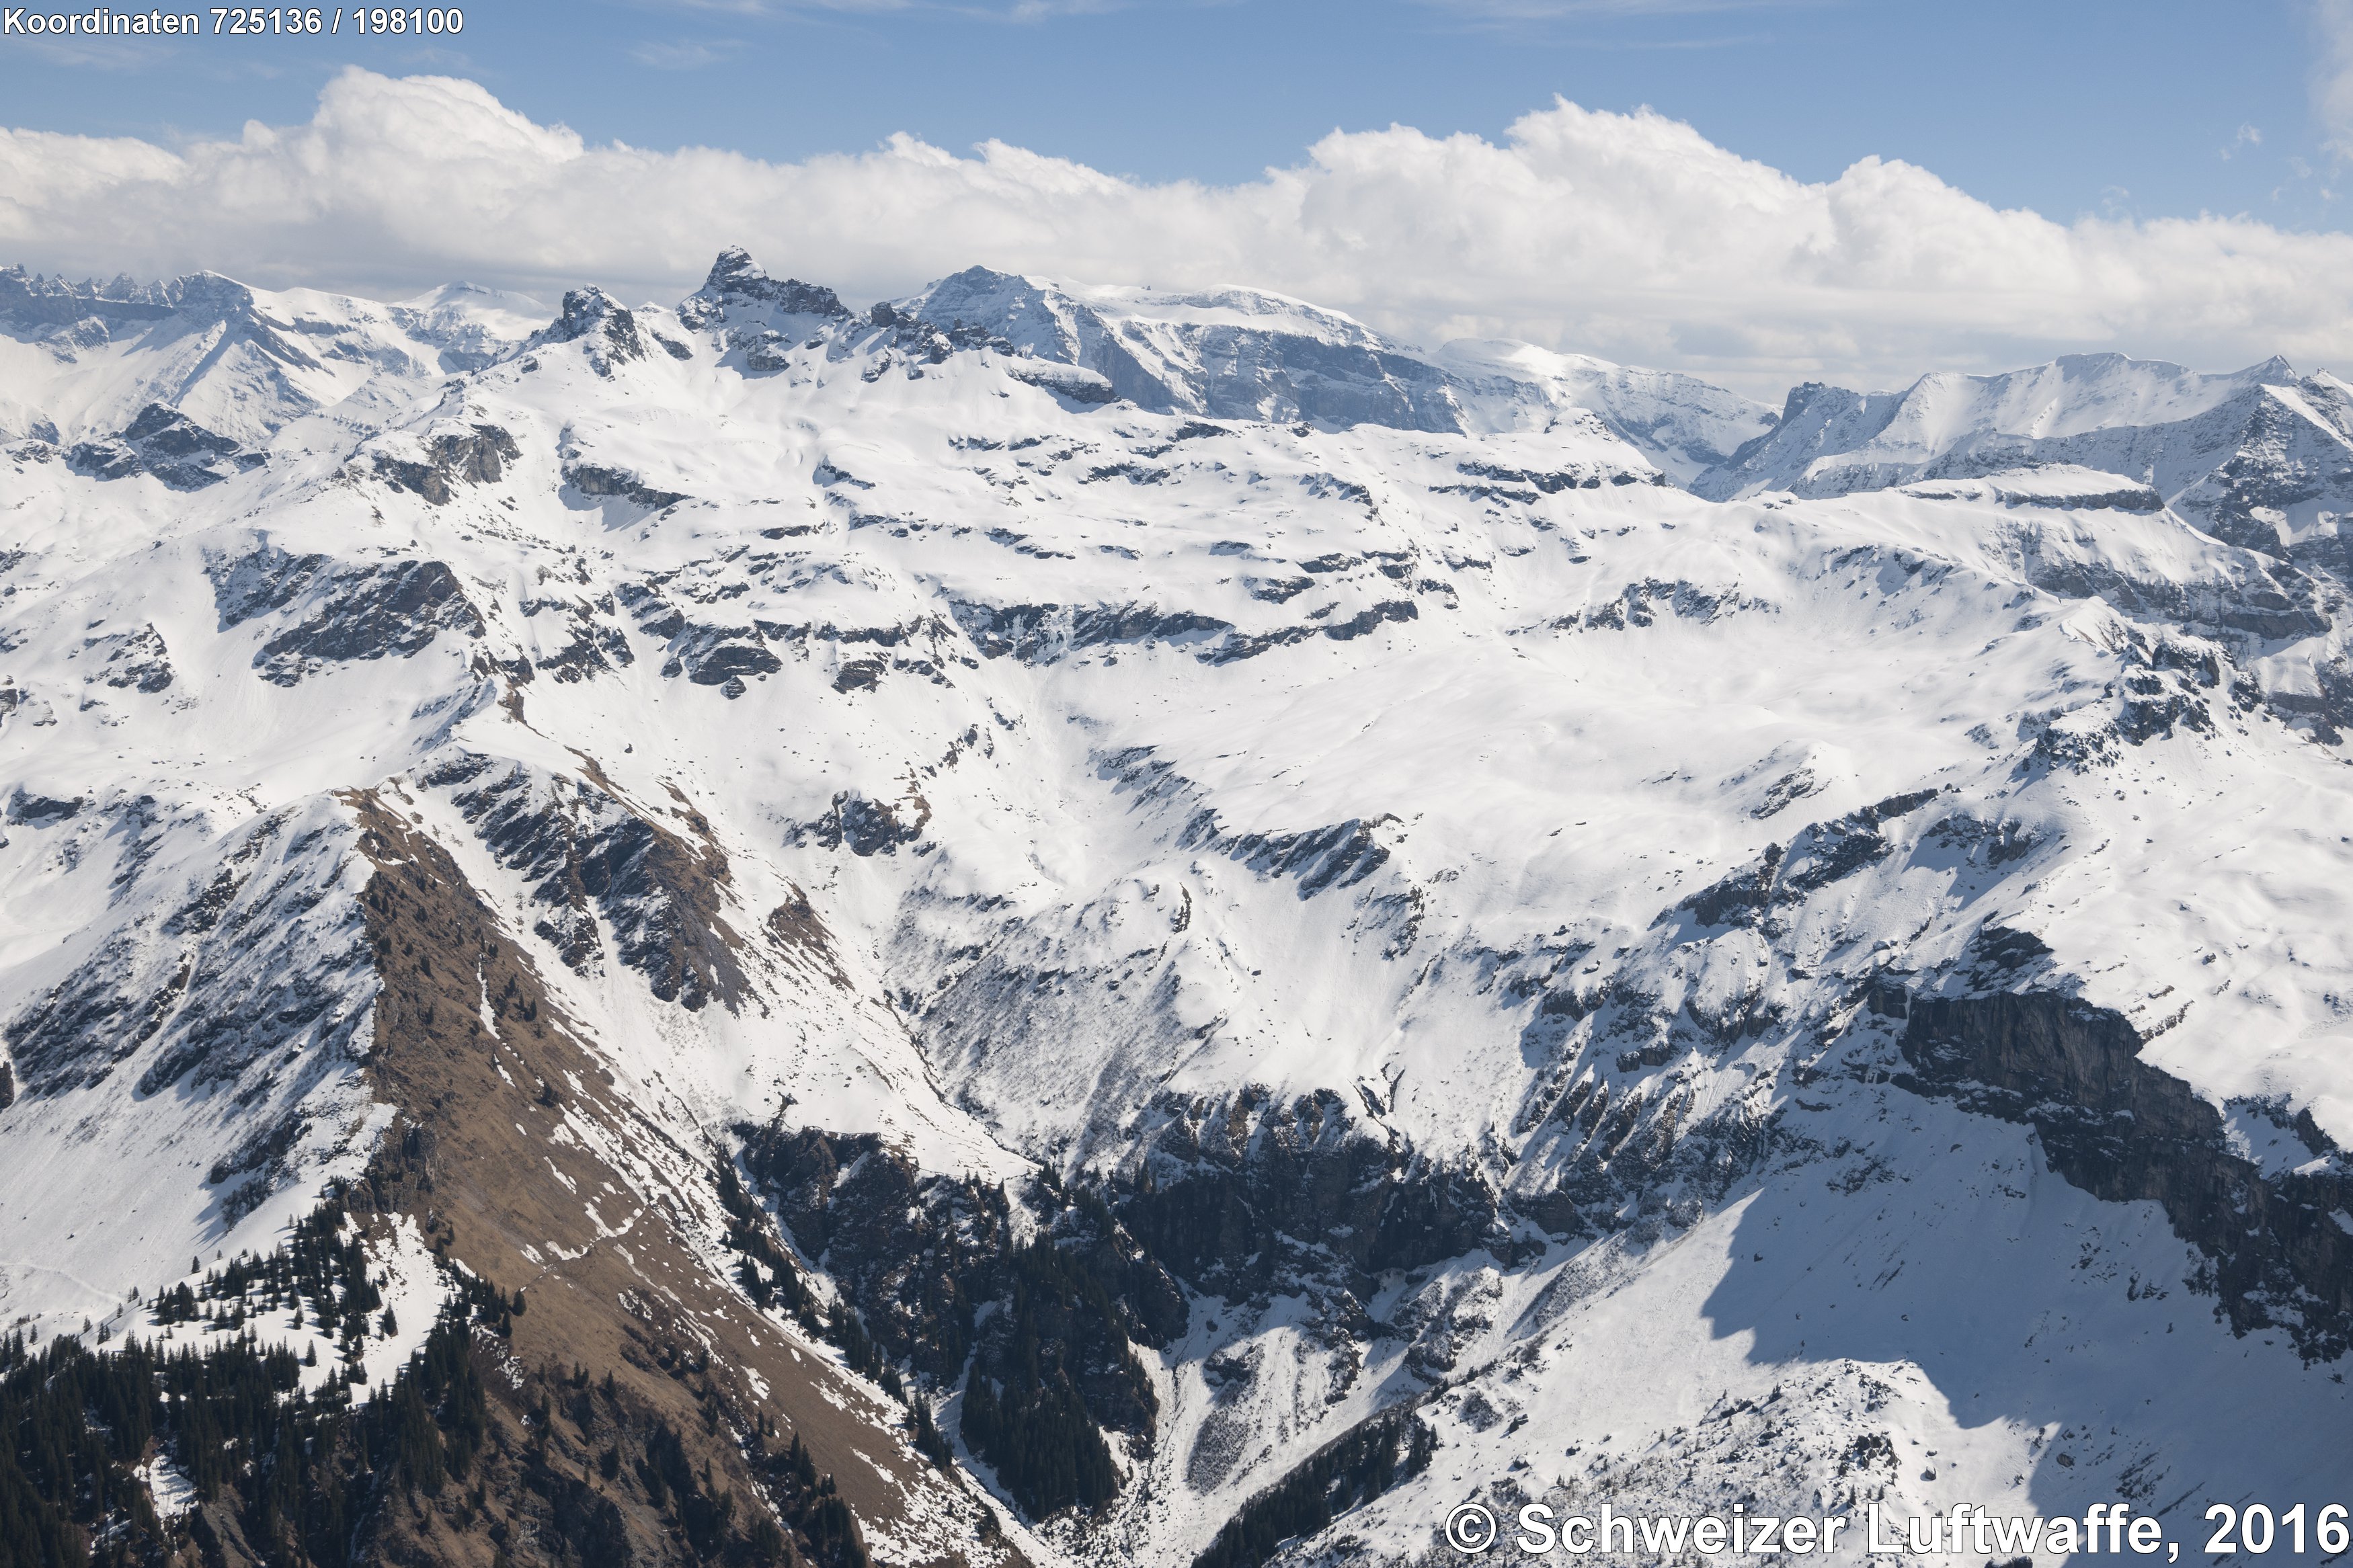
(1640, 605)
(1340, 856)
(2256, 459)
(59, 303)
(132, 660)
(1816, 419)
(1683, 424)
(734, 280)
(759, 318)
(1230, 1196)
(2280, 455)
(2260, 599)
(1245, 957)
(2328, 708)
(467, 327)
(1041, 634)
(167, 444)
(189, 380)
(1536, 480)
(256, 980)
(589, 854)
(590, 479)
(866, 827)
(1820, 854)
(451, 458)
(1074, 382)
(2126, 1131)
(593, 317)
(41, 811)
(353, 612)
(595, 643)
(377, 613)
(2124, 497)
(719, 656)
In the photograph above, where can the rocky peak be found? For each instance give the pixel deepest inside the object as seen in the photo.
(735, 279)
(1043, 320)
(211, 296)
(593, 316)
(731, 265)
(31, 298)
(747, 302)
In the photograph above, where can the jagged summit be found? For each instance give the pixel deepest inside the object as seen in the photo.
(734, 280)
(740, 301)
(28, 297)
(605, 327)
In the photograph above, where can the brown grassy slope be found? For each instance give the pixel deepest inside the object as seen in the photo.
(544, 1155)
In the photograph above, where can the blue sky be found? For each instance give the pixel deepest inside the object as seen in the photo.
(2149, 107)
(1759, 191)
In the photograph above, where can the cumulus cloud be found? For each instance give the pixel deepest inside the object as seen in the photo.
(1628, 235)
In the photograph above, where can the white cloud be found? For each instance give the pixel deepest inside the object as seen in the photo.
(1627, 235)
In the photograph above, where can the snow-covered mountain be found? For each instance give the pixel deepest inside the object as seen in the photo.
(1279, 931)
(1682, 424)
(81, 363)
(2257, 457)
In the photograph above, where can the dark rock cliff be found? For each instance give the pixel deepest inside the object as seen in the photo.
(2125, 1131)
(1239, 1197)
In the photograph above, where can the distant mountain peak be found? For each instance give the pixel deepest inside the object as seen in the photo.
(2149, 422)
(735, 282)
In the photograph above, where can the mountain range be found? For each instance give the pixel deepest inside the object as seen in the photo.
(1081, 923)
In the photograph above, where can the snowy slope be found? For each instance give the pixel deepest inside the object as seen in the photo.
(2256, 456)
(1682, 424)
(1614, 967)
(82, 361)
(1239, 354)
